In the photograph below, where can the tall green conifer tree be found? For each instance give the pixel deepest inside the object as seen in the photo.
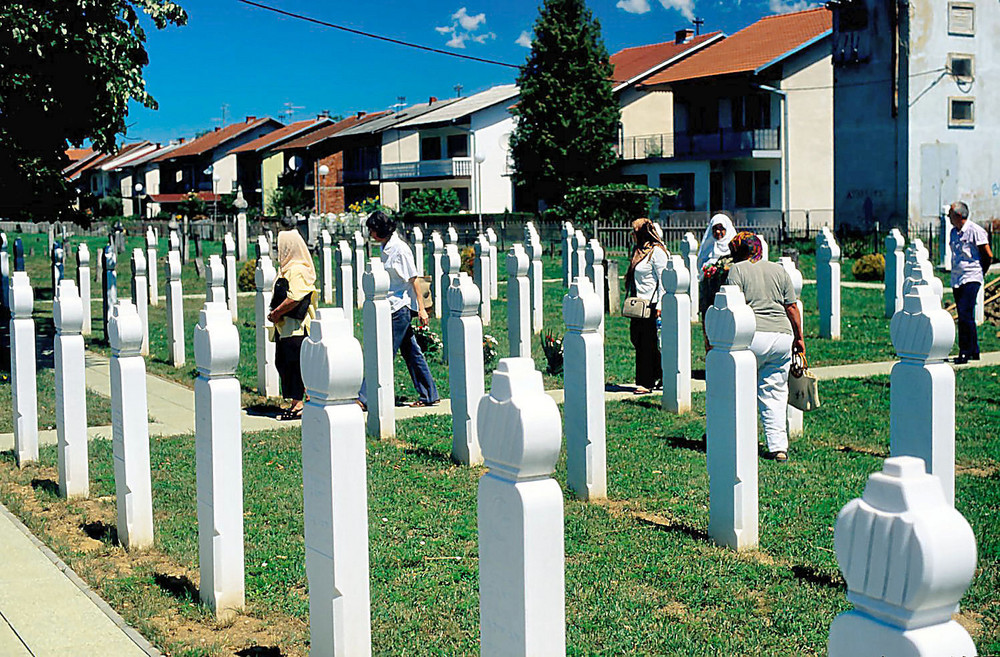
(567, 116)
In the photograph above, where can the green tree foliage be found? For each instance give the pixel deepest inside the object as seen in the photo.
(68, 69)
(292, 198)
(431, 201)
(192, 206)
(618, 203)
(567, 116)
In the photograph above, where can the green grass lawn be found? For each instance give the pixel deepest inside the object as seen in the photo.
(98, 408)
(641, 575)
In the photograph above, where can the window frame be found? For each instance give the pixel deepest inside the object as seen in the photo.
(963, 4)
(961, 123)
(952, 56)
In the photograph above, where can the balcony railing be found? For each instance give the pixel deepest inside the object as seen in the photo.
(456, 167)
(364, 175)
(722, 142)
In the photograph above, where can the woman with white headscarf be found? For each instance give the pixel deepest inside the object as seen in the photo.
(715, 243)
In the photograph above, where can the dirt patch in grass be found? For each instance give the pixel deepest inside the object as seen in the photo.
(84, 533)
(971, 621)
(984, 471)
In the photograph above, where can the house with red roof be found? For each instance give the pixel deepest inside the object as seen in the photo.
(750, 127)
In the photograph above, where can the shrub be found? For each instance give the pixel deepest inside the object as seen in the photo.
(431, 201)
(468, 260)
(245, 280)
(870, 267)
(294, 199)
(617, 203)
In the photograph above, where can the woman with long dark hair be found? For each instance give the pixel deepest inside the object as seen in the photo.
(649, 259)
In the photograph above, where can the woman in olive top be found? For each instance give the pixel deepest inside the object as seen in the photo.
(295, 265)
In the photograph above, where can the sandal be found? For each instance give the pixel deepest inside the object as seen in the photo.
(780, 457)
(641, 390)
(291, 414)
(424, 404)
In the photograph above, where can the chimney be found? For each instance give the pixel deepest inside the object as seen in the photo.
(325, 114)
(251, 119)
(361, 114)
(683, 36)
(432, 100)
(217, 128)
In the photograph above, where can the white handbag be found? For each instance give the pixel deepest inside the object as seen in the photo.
(803, 388)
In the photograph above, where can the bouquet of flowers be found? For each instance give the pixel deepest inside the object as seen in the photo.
(490, 349)
(553, 348)
(717, 269)
(429, 341)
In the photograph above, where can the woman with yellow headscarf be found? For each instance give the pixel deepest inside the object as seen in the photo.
(295, 294)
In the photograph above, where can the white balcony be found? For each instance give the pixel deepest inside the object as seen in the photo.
(456, 167)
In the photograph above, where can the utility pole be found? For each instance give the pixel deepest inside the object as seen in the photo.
(698, 22)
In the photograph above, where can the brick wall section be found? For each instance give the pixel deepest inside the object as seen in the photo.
(326, 187)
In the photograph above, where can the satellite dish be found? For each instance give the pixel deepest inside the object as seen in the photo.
(295, 162)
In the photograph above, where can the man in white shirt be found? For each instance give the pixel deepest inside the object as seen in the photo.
(404, 301)
(970, 260)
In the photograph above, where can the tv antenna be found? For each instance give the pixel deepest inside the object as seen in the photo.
(289, 111)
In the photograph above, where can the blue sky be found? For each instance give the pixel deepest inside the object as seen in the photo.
(255, 62)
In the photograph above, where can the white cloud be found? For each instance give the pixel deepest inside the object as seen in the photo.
(634, 6)
(463, 28)
(686, 7)
(787, 6)
(524, 40)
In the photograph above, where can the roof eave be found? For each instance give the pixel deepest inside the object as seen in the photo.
(805, 45)
(673, 60)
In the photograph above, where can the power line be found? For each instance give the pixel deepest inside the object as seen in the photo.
(370, 35)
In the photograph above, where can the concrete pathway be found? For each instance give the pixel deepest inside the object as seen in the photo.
(47, 610)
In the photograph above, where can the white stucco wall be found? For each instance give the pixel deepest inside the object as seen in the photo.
(808, 83)
(646, 112)
(491, 130)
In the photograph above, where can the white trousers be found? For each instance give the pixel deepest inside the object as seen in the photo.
(774, 358)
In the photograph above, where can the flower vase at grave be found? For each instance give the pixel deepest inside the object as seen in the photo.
(907, 557)
(583, 374)
(466, 369)
(71, 392)
(219, 461)
(334, 487)
(522, 608)
(23, 372)
(130, 428)
(731, 421)
(675, 336)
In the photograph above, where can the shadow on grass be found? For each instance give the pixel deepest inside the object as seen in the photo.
(260, 651)
(179, 587)
(674, 528)
(644, 401)
(813, 576)
(271, 410)
(101, 531)
(46, 485)
(429, 454)
(681, 442)
(851, 449)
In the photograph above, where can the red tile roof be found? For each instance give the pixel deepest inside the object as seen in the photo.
(753, 47)
(213, 139)
(76, 154)
(177, 198)
(632, 62)
(280, 133)
(324, 133)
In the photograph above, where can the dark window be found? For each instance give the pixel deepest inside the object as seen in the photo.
(961, 66)
(715, 190)
(751, 112)
(458, 146)
(703, 116)
(961, 112)
(463, 197)
(430, 148)
(753, 189)
(684, 184)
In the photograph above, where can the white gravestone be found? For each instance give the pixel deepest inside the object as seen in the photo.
(215, 281)
(920, 271)
(109, 284)
(922, 386)
(152, 271)
(466, 369)
(242, 243)
(579, 255)
(71, 392)
(765, 250)
(175, 310)
(451, 264)
(437, 273)
(894, 243)
(731, 421)
(979, 312)
(345, 280)
(568, 237)
(522, 609)
(264, 277)
(533, 244)
(174, 241)
(794, 416)
(675, 336)
(83, 285)
(335, 490)
(518, 303)
(23, 373)
(229, 260)
(5, 272)
(452, 235)
(828, 284)
(326, 267)
(689, 251)
(418, 249)
(130, 428)
(595, 273)
(491, 235)
(219, 460)
(139, 291)
(481, 275)
(58, 266)
(586, 425)
(359, 268)
(907, 557)
(378, 352)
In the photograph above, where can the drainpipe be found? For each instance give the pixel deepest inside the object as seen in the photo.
(784, 146)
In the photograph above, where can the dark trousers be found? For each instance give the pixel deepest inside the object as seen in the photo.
(965, 303)
(286, 361)
(647, 351)
(403, 340)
